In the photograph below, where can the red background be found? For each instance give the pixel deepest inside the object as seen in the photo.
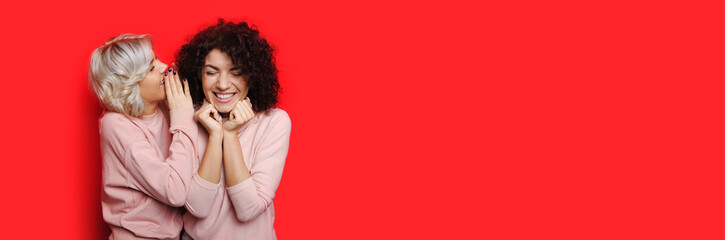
(411, 119)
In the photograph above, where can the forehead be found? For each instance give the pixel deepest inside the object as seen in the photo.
(218, 59)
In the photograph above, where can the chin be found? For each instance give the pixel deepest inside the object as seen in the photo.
(224, 107)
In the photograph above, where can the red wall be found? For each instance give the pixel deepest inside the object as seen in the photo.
(410, 119)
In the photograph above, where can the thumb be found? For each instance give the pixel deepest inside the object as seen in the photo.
(217, 116)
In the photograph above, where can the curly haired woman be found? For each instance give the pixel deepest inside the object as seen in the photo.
(233, 80)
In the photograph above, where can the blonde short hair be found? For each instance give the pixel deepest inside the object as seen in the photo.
(116, 68)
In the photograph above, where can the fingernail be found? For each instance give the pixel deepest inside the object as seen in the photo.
(170, 69)
(184, 79)
(166, 74)
(174, 72)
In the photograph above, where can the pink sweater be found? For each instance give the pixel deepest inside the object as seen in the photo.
(245, 210)
(147, 168)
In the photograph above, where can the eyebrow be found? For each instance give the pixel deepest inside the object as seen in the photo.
(213, 67)
(216, 68)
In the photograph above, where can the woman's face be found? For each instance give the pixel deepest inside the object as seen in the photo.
(152, 85)
(223, 83)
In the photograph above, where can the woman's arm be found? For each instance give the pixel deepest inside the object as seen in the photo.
(206, 180)
(235, 170)
(254, 193)
(202, 194)
(211, 164)
(166, 180)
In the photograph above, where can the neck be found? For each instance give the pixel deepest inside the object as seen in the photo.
(149, 108)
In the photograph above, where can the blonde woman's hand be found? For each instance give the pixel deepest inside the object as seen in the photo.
(240, 115)
(210, 118)
(177, 96)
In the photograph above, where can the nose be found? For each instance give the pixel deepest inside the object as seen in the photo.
(224, 82)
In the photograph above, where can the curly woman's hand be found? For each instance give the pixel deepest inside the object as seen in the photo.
(208, 116)
(177, 97)
(240, 115)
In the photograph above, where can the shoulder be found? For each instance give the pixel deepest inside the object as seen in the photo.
(117, 125)
(113, 120)
(277, 118)
(275, 114)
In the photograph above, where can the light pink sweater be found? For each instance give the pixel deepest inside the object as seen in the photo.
(147, 168)
(245, 210)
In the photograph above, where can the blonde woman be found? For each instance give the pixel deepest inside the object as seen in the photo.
(147, 148)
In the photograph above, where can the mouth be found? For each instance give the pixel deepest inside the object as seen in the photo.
(224, 97)
(162, 82)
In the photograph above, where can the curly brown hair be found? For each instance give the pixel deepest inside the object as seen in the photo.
(245, 48)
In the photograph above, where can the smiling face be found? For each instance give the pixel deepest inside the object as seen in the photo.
(224, 83)
(152, 85)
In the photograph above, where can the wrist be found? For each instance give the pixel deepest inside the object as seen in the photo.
(227, 133)
(216, 135)
(181, 117)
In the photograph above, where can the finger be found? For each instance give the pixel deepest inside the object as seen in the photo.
(250, 111)
(171, 83)
(179, 88)
(248, 103)
(208, 107)
(234, 115)
(245, 117)
(202, 113)
(238, 109)
(187, 92)
(244, 113)
(209, 112)
(166, 86)
(217, 116)
(239, 105)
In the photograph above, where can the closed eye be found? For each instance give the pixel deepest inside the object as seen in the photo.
(152, 64)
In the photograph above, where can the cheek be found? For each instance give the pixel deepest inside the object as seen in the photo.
(241, 85)
(206, 83)
(206, 88)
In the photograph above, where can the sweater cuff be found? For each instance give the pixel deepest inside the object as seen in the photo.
(204, 183)
(247, 184)
(182, 118)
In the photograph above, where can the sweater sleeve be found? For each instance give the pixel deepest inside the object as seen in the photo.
(201, 196)
(166, 180)
(252, 196)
